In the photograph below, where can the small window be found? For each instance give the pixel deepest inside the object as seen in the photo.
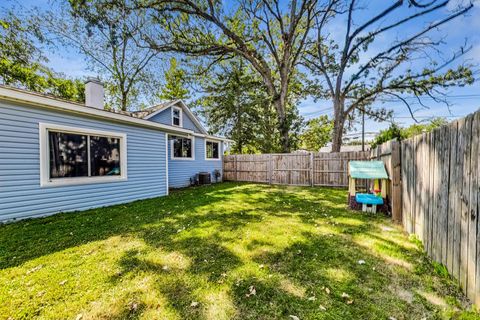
(75, 156)
(182, 148)
(177, 116)
(212, 150)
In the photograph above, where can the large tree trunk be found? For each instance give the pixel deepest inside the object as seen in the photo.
(283, 127)
(338, 124)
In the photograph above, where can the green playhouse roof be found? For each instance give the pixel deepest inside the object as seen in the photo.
(367, 170)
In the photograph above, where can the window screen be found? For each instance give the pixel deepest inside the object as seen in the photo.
(71, 153)
(182, 147)
(104, 156)
(176, 116)
(68, 155)
(212, 150)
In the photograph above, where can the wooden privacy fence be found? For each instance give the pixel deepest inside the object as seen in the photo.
(440, 186)
(434, 188)
(390, 154)
(303, 169)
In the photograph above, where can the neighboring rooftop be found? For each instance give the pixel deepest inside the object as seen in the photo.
(346, 148)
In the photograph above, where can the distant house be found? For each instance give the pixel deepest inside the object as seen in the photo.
(346, 148)
(58, 156)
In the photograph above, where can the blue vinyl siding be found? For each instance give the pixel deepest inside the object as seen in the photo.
(20, 193)
(165, 117)
(180, 171)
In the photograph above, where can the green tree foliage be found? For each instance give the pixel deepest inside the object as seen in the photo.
(366, 63)
(174, 87)
(107, 35)
(395, 132)
(22, 64)
(317, 134)
(269, 35)
(237, 106)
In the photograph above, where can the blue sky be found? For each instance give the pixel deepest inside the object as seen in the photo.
(463, 100)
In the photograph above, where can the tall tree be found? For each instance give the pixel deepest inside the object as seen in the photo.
(317, 134)
(359, 70)
(22, 64)
(269, 34)
(174, 87)
(107, 35)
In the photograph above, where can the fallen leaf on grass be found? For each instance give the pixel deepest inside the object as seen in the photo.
(345, 295)
(252, 291)
(323, 308)
(349, 301)
(327, 290)
(312, 298)
(35, 269)
(133, 306)
(294, 317)
(194, 304)
(62, 282)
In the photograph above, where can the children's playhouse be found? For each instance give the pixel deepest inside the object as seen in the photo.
(374, 174)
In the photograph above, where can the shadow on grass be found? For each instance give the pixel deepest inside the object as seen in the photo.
(316, 276)
(30, 239)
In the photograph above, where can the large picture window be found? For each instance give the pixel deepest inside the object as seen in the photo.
(74, 155)
(212, 150)
(182, 148)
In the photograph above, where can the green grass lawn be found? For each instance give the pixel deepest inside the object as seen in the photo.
(226, 251)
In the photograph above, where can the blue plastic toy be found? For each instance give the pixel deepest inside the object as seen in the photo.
(369, 201)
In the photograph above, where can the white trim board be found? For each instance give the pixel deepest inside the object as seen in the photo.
(41, 101)
(192, 138)
(166, 163)
(180, 115)
(45, 180)
(185, 109)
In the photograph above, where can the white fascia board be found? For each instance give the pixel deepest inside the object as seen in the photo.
(38, 100)
(160, 110)
(192, 116)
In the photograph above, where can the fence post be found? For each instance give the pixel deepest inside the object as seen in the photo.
(396, 166)
(312, 165)
(270, 168)
(236, 170)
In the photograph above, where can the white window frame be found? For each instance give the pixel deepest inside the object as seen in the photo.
(180, 114)
(219, 150)
(46, 181)
(182, 158)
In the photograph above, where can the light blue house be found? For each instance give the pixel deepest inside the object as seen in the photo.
(58, 156)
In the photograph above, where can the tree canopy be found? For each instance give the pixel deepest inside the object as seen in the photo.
(22, 63)
(174, 87)
(107, 35)
(317, 134)
(395, 132)
(357, 69)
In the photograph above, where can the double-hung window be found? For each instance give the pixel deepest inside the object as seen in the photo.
(182, 148)
(176, 116)
(212, 150)
(75, 155)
